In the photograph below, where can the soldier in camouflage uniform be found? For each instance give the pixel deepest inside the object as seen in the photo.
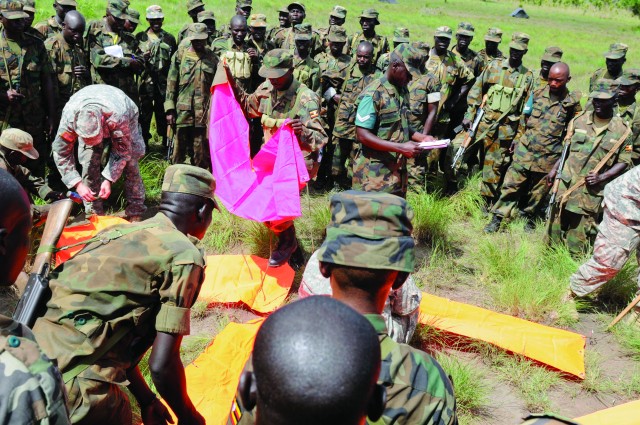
(157, 46)
(368, 22)
(337, 17)
(27, 100)
(551, 55)
(305, 69)
(53, 25)
(132, 21)
(29, 7)
(384, 131)
(507, 85)
(361, 72)
(243, 8)
(539, 148)
(93, 117)
(464, 37)
(193, 8)
(627, 107)
(596, 137)
(32, 391)
(279, 98)
(188, 97)
(283, 22)
(615, 58)
(113, 301)
(258, 39)
(400, 35)
(285, 38)
(208, 18)
(492, 40)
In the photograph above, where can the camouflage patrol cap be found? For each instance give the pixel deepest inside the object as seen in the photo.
(370, 14)
(241, 4)
(616, 51)
(303, 32)
(632, 74)
(206, 15)
(493, 34)
(370, 230)
(29, 6)
(133, 16)
(624, 80)
(67, 3)
(154, 12)
(296, 5)
(12, 9)
(411, 56)
(519, 41)
(182, 178)
(283, 11)
(192, 4)
(276, 63)
(465, 28)
(604, 89)
(339, 12)
(197, 31)
(444, 31)
(117, 8)
(19, 140)
(423, 47)
(337, 34)
(401, 35)
(552, 54)
(258, 20)
(88, 124)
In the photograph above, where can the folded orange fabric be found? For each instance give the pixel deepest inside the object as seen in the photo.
(82, 232)
(560, 349)
(624, 414)
(247, 279)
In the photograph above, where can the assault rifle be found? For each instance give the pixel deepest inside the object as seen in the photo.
(471, 134)
(171, 135)
(556, 180)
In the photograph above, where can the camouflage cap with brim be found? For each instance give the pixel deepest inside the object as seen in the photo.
(625, 81)
(206, 15)
(552, 54)
(283, 10)
(303, 32)
(443, 31)
(401, 35)
(493, 34)
(337, 34)
(370, 14)
(154, 12)
(88, 125)
(339, 12)
(296, 5)
(616, 51)
(197, 31)
(193, 4)
(369, 230)
(604, 89)
(189, 179)
(67, 3)
(276, 63)
(519, 41)
(29, 6)
(133, 16)
(258, 20)
(633, 74)
(12, 10)
(465, 28)
(118, 8)
(19, 140)
(244, 4)
(411, 56)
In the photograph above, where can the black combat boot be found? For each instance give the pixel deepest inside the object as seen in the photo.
(287, 244)
(494, 225)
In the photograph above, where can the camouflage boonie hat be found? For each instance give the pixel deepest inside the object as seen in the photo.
(401, 35)
(154, 12)
(117, 8)
(19, 140)
(258, 20)
(206, 15)
(133, 16)
(616, 51)
(197, 31)
(369, 230)
(298, 5)
(88, 124)
(465, 28)
(12, 10)
(519, 41)
(444, 31)
(192, 4)
(189, 179)
(29, 6)
(337, 34)
(303, 32)
(604, 89)
(552, 54)
(370, 14)
(276, 63)
(67, 3)
(493, 34)
(339, 12)
(411, 56)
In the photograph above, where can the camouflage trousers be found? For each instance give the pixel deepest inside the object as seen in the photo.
(521, 187)
(496, 162)
(614, 244)
(97, 402)
(576, 231)
(371, 174)
(342, 163)
(192, 141)
(417, 171)
(152, 104)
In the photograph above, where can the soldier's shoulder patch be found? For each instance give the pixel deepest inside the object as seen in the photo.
(68, 136)
(628, 148)
(314, 114)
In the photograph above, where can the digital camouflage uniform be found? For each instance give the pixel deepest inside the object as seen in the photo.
(118, 294)
(536, 153)
(188, 94)
(507, 90)
(32, 391)
(120, 129)
(616, 51)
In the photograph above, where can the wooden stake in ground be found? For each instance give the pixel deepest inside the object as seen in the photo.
(624, 312)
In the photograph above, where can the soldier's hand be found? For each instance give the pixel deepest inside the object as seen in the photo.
(13, 96)
(551, 176)
(297, 126)
(512, 147)
(409, 149)
(105, 190)
(155, 413)
(466, 124)
(593, 178)
(80, 71)
(171, 118)
(253, 53)
(85, 193)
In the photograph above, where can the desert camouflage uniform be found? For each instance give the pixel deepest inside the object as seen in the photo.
(49, 28)
(377, 171)
(188, 94)
(140, 283)
(380, 45)
(536, 152)
(344, 129)
(64, 58)
(127, 146)
(574, 223)
(222, 45)
(496, 137)
(32, 391)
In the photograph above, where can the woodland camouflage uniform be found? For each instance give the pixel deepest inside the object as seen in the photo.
(616, 51)
(191, 4)
(400, 35)
(380, 42)
(338, 12)
(495, 35)
(630, 113)
(245, 69)
(49, 28)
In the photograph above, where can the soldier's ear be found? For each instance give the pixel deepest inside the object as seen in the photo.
(3, 241)
(248, 390)
(377, 403)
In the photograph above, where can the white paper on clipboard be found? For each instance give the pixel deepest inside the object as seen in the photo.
(115, 51)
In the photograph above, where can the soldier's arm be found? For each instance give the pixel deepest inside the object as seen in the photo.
(525, 95)
(313, 135)
(63, 155)
(474, 97)
(121, 153)
(33, 184)
(101, 60)
(251, 102)
(172, 87)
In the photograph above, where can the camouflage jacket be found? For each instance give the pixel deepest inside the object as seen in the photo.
(222, 45)
(541, 144)
(486, 59)
(383, 62)
(539, 81)
(284, 38)
(64, 57)
(32, 184)
(418, 389)
(471, 59)
(586, 150)
(450, 71)
(26, 71)
(355, 81)
(307, 72)
(32, 391)
(140, 283)
(622, 197)
(120, 121)
(601, 73)
(49, 28)
(161, 48)
(380, 45)
(500, 73)
(422, 91)
(332, 70)
(189, 85)
(630, 114)
(323, 33)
